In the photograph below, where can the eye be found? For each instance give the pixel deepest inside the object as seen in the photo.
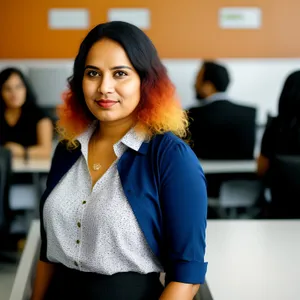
(19, 86)
(93, 73)
(120, 74)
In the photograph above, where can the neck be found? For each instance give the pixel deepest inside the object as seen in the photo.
(114, 131)
(13, 110)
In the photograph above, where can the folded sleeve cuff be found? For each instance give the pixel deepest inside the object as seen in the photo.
(192, 272)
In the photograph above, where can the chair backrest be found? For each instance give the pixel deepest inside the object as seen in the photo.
(285, 184)
(5, 175)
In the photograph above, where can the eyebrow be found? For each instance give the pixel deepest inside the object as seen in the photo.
(113, 68)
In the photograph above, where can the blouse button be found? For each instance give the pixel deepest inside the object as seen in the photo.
(78, 224)
(77, 242)
(75, 263)
(83, 202)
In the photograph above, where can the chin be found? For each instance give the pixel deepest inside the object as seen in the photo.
(107, 117)
(15, 105)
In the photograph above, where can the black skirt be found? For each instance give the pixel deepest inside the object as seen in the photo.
(72, 284)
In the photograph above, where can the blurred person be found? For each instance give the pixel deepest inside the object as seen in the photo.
(220, 129)
(126, 197)
(24, 128)
(282, 133)
(281, 137)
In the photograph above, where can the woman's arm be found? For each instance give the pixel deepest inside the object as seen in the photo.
(44, 275)
(263, 164)
(179, 291)
(44, 140)
(184, 207)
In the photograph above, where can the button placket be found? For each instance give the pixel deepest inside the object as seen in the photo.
(79, 228)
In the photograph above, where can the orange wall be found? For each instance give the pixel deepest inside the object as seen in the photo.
(180, 29)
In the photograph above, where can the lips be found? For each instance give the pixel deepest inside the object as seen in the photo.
(106, 103)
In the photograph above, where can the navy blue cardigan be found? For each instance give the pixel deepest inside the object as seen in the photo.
(166, 188)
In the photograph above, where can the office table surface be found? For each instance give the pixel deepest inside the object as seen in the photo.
(228, 166)
(209, 167)
(31, 166)
(247, 260)
(253, 260)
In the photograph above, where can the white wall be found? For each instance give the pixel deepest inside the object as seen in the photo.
(256, 82)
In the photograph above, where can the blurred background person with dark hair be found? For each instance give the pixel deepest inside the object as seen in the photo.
(279, 161)
(27, 132)
(219, 128)
(25, 129)
(282, 134)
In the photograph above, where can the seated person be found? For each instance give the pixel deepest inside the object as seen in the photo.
(25, 129)
(219, 128)
(282, 134)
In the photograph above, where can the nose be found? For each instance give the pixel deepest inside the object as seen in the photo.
(13, 93)
(106, 85)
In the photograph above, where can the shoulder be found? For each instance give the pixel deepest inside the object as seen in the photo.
(273, 126)
(167, 140)
(168, 148)
(242, 107)
(35, 114)
(194, 112)
(194, 109)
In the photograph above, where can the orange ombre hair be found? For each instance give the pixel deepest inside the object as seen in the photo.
(159, 109)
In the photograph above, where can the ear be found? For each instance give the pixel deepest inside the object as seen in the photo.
(208, 88)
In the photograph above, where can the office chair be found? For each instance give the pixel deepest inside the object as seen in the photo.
(5, 174)
(285, 187)
(5, 213)
(237, 194)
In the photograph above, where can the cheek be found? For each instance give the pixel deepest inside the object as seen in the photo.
(84, 87)
(5, 96)
(23, 94)
(88, 88)
(131, 92)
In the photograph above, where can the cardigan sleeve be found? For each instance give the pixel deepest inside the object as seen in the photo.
(184, 208)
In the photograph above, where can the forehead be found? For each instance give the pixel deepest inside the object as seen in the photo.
(13, 79)
(107, 53)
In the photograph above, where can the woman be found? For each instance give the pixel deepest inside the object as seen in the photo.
(25, 129)
(126, 198)
(282, 135)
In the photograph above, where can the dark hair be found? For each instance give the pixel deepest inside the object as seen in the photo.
(30, 99)
(289, 101)
(287, 123)
(158, 110)
(138, 47)
(217, 75)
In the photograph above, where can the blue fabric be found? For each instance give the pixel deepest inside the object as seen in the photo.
(166, 188)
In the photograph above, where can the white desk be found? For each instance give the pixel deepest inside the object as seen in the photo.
(253, 260)
(32, 166)
(209, 167)
(228, 166)
(22, 287)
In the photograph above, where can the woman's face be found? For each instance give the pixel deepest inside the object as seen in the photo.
(14, 92)
(111, 86)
